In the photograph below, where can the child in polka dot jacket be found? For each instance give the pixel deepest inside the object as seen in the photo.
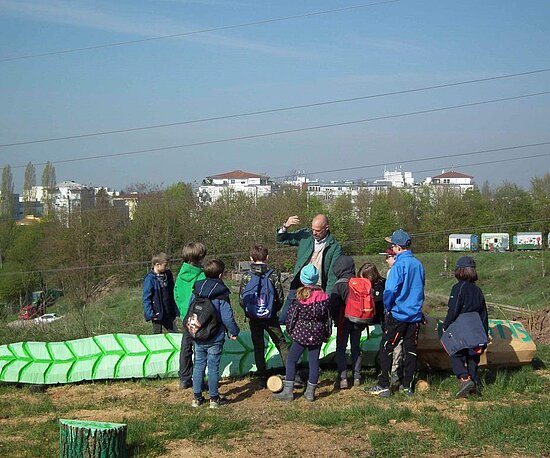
(309, 324)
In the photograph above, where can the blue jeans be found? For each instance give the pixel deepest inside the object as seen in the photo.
(207, 356)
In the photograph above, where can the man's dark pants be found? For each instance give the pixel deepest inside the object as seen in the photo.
(186, 357)
(168, 323)
(272, 327)
(397, 331)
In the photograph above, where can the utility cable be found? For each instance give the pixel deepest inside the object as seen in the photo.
(196, 32)
(289, 131)
(470, 164)
(272, 110)
(279, 249)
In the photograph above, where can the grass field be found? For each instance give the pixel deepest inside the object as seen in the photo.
(510, 418)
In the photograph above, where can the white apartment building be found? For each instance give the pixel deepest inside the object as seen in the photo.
(455, 180)
(248, 183)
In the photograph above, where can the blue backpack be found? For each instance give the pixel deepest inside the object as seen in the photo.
(258, 297)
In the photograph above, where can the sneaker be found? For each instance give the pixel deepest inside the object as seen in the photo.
(217, 403)
(341, 383)
(407, 391)
(357, 381)
(379, 391)
(467, 386)
(185, 384)
(197, 402)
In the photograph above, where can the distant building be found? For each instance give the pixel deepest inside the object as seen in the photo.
(71, 196)
(396, 179)
(251, 184)
(454, 180)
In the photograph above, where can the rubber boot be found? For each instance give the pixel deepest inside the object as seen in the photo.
(309, 394)
(288, 392)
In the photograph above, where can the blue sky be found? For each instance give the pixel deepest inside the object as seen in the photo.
(386, 47)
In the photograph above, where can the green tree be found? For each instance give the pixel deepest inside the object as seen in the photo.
(7, 201)
(540, 193)
(49, 182)
(29, 196)
(512, 208)
(343, 223)
(381, 223)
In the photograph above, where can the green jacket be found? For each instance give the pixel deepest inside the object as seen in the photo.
(185, 282)
(303, 239)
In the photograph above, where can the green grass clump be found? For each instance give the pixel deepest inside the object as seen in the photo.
(398, 443)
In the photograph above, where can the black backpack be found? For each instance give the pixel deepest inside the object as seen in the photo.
(202, 320)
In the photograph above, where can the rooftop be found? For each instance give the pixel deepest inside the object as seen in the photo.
(236, 175)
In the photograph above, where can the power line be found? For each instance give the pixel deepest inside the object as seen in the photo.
(196, 32)
(443, 156)
(272, 110)
(289, 131)
(470, 164)
(279, 249)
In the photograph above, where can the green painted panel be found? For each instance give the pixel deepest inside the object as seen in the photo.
(120, 356)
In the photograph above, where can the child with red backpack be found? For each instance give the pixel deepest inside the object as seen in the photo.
(352, 304)
(308, 323)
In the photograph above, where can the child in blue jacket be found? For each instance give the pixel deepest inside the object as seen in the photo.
(208, 354)
(466, 297)
(158, 295)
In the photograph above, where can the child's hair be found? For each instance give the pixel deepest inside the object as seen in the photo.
(304, 292)
(369, 271)
(193, 252)
(468, 274)
(160, 258)
(258, 253)
(213, 268)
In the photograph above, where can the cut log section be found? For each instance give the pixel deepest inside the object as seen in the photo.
(91, 439)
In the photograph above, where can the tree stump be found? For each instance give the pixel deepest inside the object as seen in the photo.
(91, 439)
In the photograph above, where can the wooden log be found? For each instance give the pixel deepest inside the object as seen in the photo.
(91, 439)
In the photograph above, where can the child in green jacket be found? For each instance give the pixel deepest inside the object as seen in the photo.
(190, 272)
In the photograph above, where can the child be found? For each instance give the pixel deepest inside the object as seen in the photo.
(466, 297)
(266, 318)
(344, 269)
(191, 271)
(208, 353)
(397, 366)
(309, 324)
(158, 295)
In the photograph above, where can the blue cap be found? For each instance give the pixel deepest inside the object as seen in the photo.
(399, 237)
(309, 275)
(465, 261)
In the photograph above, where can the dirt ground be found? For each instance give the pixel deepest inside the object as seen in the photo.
(538, 325)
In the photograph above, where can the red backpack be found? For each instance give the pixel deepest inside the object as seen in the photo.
(360, 303)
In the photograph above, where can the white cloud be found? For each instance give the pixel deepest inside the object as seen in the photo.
(143, 24)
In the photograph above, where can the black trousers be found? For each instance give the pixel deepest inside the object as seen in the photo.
(395, 332)
(273, 329)
(186, 356)
(465, 363)
(168, 323)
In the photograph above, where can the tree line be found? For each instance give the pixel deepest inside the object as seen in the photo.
(102, 241)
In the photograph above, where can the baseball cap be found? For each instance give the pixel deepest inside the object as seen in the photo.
(309, 275)
(465, 261)
(399, 237)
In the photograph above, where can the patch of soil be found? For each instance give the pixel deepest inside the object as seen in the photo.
(278, 441)
(538, 325)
